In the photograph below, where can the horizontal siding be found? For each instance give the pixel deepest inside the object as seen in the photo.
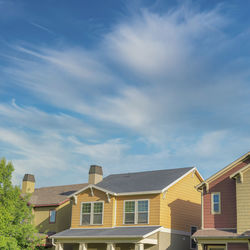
(63, 215)
(243, 203)
(227, 188)
(182, 206)
(86, 197)
(154, 208)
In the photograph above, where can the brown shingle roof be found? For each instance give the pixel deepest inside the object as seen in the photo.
(219, 233)
(55, 195)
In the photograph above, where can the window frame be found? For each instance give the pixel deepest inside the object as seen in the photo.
(191, 238)
(212, 203)
(91, 212)
(136, 212)
(52, 222)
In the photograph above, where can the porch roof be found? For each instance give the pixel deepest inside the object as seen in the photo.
(220, 233)
(116, 232)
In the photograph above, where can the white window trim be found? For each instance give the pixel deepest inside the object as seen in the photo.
(212, 202)
(136, 212)
(91, 213)
(191, 238)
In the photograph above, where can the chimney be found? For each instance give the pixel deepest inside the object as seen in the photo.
(28, 185)
(95, 174)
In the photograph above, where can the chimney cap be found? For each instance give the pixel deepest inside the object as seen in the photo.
(29, 177)
(95, 169)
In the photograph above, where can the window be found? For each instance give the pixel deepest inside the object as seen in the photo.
(52, 216)
(216, 203)
(92, 213)
(193, 244)
(136, 212)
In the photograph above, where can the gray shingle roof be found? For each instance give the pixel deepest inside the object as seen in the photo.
(54, 195)
(130, 232)
(142, 181)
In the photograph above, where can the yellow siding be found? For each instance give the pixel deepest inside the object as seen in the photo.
(181, 207)
(86, 196)
(154, 208)
(243, 203)
(63, 216)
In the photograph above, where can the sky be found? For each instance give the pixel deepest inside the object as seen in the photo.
(128, 85)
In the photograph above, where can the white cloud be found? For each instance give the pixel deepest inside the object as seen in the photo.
(161, 78)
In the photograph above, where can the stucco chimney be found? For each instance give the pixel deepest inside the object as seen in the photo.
(28, 185)
(95, 174)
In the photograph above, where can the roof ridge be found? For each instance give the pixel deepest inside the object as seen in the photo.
(150, 171)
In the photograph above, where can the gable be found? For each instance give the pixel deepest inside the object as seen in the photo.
(227, 171)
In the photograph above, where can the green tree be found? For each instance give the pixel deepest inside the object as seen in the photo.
(16, 228)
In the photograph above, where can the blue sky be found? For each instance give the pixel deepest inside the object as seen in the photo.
(128, 85)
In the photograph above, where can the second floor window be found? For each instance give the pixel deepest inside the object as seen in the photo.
(52, 216)
(216, 203)
(136, 212)
(92, 213)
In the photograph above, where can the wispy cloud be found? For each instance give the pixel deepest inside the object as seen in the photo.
(160, 81)
(42, 27)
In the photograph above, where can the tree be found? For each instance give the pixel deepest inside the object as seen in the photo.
(16, 228)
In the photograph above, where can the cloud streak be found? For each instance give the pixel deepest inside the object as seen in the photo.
(155, 89)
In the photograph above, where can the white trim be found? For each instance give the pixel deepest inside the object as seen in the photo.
(149, 241)
(136, 212)
(202, 212)
(91, 186)
(91, 212)
(240, 171)
(139, 193)
(177, 180)
(115, 212)
(152, 232)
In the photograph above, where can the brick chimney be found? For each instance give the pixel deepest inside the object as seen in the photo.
(95, 174)
(28, 185)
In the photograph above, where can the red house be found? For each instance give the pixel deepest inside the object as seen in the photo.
(226, 208)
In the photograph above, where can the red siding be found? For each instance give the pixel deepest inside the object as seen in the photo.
(237, 246)
(227, 188)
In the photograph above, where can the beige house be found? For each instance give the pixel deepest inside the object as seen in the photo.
(154, 210)
(51, 206)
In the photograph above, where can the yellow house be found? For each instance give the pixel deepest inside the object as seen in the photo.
(154, 210)
(51, 206)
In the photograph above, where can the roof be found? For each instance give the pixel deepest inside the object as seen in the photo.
(53, 196)
(219, 233)
(142, 181)
(116, 232)
(225, 169)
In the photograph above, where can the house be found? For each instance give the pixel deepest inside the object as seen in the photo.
(154, 210)
(226, 208)
(51, 206)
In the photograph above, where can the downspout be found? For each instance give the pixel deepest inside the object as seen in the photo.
(53, 242)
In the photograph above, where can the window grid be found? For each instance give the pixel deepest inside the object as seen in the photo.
(95, 212)
(137, 210)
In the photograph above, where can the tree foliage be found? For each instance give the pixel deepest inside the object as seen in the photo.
(16, 228)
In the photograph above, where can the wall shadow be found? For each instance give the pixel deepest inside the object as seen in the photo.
(184, 214)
